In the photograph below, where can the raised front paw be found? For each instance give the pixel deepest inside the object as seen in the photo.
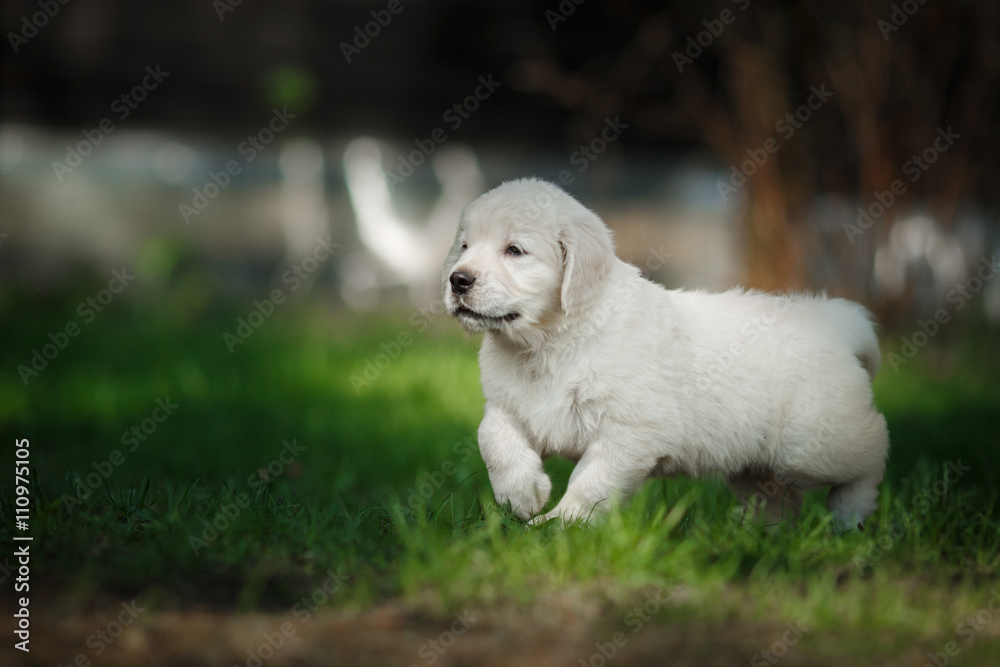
(527, 491)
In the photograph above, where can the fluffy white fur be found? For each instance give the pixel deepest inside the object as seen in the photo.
(584, 358)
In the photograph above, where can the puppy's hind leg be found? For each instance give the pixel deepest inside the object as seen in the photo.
(853, 502)
(765, 497)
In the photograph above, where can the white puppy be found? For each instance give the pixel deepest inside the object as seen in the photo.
(584, 358)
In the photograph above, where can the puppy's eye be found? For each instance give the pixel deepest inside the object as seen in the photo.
(514, 250)
(465, 246)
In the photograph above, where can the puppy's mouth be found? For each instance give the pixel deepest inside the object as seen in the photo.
(462, 311)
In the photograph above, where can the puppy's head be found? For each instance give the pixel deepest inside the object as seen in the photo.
(525, 255)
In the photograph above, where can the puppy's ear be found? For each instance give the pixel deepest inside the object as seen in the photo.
(588, 255)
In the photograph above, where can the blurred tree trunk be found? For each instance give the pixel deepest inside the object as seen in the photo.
(897, 79)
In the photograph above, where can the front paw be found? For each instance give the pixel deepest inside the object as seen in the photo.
(568, 513)
(527, 492)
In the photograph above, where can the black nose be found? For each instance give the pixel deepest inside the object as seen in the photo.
(461, 281)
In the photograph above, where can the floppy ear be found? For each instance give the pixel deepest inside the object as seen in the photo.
(588, 255)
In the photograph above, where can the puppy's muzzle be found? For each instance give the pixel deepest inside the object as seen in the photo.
(461, 281)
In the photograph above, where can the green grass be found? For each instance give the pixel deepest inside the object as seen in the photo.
(390, 489)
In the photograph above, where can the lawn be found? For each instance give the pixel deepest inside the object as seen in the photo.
(316, 495)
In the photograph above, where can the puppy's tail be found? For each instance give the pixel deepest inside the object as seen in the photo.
(857, 326)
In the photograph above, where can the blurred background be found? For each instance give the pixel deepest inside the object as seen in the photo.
(207, 146)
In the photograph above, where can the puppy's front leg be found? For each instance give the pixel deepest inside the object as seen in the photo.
(515, 469)
(606, 473)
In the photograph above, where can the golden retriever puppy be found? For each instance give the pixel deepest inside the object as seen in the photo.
(584, 358)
